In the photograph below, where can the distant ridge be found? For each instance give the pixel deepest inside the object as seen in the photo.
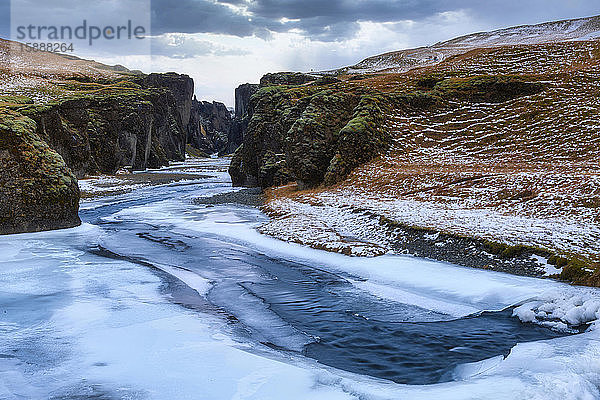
(579, 29)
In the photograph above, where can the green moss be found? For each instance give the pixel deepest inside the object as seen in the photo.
(361, 139)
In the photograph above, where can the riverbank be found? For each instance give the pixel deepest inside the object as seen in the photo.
(451, 225)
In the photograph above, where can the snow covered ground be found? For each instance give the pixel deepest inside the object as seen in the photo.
(327, 219)
(74, 324)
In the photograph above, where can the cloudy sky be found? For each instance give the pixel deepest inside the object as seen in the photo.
(223, 43)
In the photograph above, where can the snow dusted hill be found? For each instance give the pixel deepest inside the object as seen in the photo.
(520, 171)
(30, 72)
(559, 31)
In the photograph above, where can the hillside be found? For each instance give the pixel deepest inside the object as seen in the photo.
(38, 74)
(580, 29)
(490, 161)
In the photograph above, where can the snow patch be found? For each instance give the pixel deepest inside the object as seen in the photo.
(563, 309)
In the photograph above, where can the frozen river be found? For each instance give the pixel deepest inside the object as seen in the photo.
(154, 297)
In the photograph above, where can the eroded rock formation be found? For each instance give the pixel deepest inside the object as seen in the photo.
(93, 128)
(37, 190)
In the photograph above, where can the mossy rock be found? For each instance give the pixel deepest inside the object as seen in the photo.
(37, 190)
(361, 139)
(312, 140)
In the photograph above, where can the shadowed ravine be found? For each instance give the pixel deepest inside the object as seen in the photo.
(297, 307)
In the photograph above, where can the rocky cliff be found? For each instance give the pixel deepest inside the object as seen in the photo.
(118, 126)
(91, 128)
(209, 127)
(239, 126)
(37, 190)
(180, 86)
(242, 99)
(317, 130)
(310, 134)
(83, 118)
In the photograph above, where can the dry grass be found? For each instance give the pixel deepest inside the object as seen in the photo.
(524, 171)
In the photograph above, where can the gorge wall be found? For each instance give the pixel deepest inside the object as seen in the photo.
(213, 129)
(308, 129)
(315, 130)
(138, 122)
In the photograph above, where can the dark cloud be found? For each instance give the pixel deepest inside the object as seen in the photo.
(331, 20)
(193, 16)
(318, 19)
(348, 10)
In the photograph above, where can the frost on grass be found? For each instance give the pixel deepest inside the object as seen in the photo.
(518, 172)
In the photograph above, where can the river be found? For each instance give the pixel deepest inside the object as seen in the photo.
(157, 297)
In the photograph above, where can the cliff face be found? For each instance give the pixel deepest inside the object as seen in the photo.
(308, 133)
(99, 134)
(86, 128)
(242, 99)
(37, 190)
(239, 125)
(209, 127)
(180, 86)
(316, 131)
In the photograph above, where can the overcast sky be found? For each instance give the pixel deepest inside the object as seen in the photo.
(223, 43)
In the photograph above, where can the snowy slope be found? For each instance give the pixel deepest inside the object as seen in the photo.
(404, 60)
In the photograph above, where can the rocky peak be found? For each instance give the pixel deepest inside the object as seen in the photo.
(180, 85)
(242, 98)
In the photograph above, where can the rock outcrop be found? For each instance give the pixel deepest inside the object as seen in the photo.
(242, 99)
(37, 190)
(181, 87)
(308, 134)
(62, 117)
(317, 130)
(239, 126)
(127, 126)
(92, 127)
(209, 127)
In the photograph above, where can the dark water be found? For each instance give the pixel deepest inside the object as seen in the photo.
(297, 307)
(382, 346)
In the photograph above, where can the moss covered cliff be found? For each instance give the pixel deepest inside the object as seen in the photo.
(315, 131)
(37, 190)
(87, 127)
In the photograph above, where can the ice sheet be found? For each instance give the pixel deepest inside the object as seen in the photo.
(441, 287)
(76, 324)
